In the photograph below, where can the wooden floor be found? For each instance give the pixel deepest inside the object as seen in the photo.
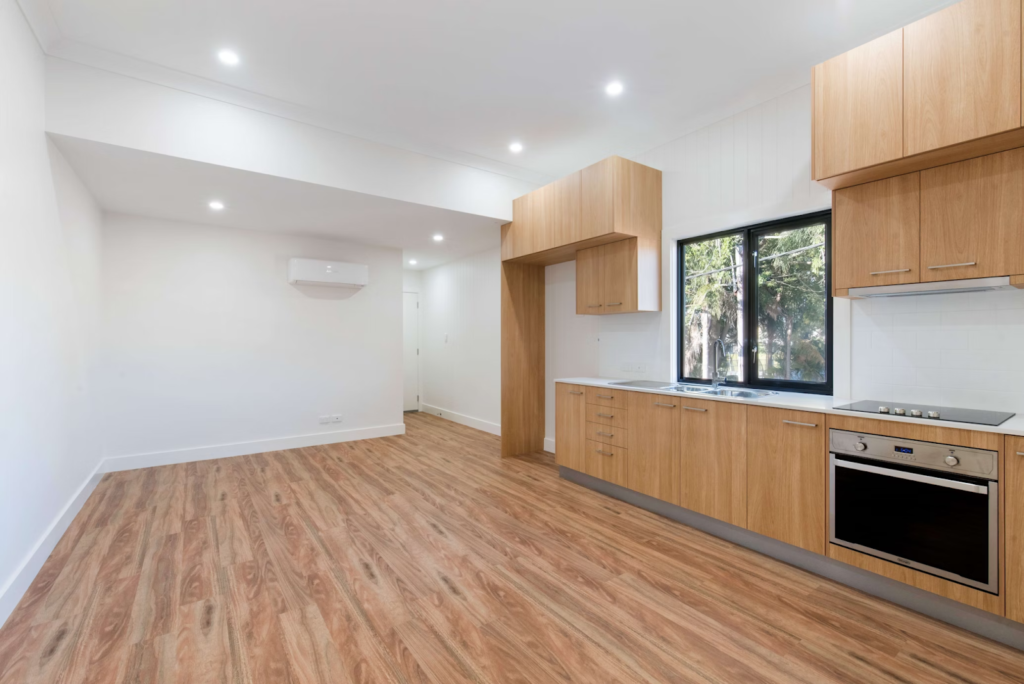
(426, 558)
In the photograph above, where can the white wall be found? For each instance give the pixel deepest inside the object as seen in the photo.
(205, 342)
(49, 251)
(411, 280)
(960, 350)
(460, 333)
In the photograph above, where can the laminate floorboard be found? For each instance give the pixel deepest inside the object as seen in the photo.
(427, 559)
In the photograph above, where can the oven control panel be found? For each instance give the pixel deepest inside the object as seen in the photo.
(948, 457)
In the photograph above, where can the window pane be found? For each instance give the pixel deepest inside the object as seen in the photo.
(712, 307)
(792, 303)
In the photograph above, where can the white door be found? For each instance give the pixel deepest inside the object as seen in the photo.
(411, 338)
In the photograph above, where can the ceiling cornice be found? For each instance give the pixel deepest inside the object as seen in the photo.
(42, 21)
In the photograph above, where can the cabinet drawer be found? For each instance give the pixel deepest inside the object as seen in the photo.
(605, 434)
(606, 462)
(606, 415)
(602, 396)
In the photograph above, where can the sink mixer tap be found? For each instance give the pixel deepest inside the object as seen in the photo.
(718, 379)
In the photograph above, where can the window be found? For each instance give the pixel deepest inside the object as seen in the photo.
(756, 306)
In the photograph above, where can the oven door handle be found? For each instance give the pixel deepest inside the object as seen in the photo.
(914, 477)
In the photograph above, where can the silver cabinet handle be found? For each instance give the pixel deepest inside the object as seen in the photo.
(605, 415)
(614, 303)
(571, 392)
(665, 405)
(604, 396)
(913, 477)
(594, 306)
(604, 453)
(967, 263)
(1020, 453)
(793, 422)
(605, 434)
(690, 408)
(895, 270)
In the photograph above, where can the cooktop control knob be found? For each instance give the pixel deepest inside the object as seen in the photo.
(883, 409)
(915, 413)
(933, 414)
(860, 446)
(901, 412)
(952, 460)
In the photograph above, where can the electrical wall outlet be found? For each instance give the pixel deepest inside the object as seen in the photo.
(336, 419)
(630, 367)
(325, 419)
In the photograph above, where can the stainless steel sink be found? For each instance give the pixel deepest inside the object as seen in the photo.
(704, 390)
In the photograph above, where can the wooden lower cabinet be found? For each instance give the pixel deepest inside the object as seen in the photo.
(606, 462)
(654, 445)
(570, 425)
(714, 459)
(786, 476)
(1013, 498)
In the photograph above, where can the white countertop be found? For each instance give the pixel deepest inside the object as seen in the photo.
(812, 402)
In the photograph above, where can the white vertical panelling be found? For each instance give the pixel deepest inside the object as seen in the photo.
(460, 333)
(747, 169)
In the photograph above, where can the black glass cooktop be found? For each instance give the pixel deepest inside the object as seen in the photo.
(927, 412)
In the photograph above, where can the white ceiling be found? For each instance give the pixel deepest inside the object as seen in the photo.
(466, 77)
(134, 182)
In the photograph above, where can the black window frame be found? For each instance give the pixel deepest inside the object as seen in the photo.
(749, 234)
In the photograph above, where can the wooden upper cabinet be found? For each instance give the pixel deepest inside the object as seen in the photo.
(1013, 497)
(858, 107)
(962, 74)
(570, 425)
(609, 280)
(786, 476)
(609, 201)
(653, 462)
(972, 218)
(877, 233)
(589, 292)
(621, 196)
(713, 464)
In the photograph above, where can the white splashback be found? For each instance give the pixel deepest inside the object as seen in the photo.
(963, 350)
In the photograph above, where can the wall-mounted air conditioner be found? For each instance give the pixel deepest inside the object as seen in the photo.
(329, 273)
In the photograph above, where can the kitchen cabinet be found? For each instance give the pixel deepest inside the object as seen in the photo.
(972, 218)
(858, 107)
(609, 201)
(570, 422)
(547, 217)
(962, 74)
(713, 469)
(877, 233)
(786, 476)
(606, 415)
(609, 397)
(1013, 498)
(608, 279)
(606, 462)
(654, 445)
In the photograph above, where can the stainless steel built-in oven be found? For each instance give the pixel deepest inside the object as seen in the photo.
(931, 507)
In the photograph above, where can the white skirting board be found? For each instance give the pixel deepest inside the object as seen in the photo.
(30, 567)
(461, 419)
(549, 445)
(11, 594)
(116, 463)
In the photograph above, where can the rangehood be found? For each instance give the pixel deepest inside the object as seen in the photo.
(943, 287)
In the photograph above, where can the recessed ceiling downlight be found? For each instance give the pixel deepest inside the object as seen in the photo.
(438, 237)
(516, 147)
(614, 88)
(412, 262)
(217, 205)
(229, 57)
